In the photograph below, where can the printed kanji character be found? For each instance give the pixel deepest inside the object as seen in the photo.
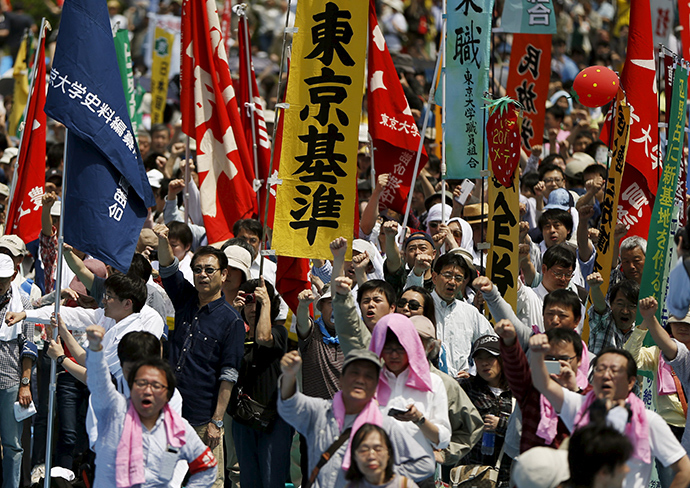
(62, 81)
(325, 90)
(120, 197)
(115, 212)
(467, 4)
(118, 126)
(466, 45)
(530, 61)
(91, 101)
(321, 162)
(106, 112)
(330, 33)
(325, 210)
(77, 90)
(36, 197)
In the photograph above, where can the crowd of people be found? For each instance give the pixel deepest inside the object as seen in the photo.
(189, 368)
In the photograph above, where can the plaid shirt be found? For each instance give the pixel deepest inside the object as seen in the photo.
(519, 378)
(488, 404)
(603, 332)
(11, 352)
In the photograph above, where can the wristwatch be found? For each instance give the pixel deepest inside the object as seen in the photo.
(25, 381)
(217, 423)
(60, 360)
(421, 421)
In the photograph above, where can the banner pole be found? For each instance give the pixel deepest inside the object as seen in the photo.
(276, 121)
(58, 288)
(429, 106)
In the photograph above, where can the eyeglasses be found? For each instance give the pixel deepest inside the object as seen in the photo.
(451, 277)
(601, 369)
(364, 450)
(413, 304)
(141, 384)
(562, 276)
(109, 297)
(552, 180)
(208, 270)
(394, 350)
(433, 225)
(559, 358)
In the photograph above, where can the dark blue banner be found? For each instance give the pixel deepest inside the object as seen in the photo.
(107, 192)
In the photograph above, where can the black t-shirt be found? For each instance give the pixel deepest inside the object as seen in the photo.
(258, 375)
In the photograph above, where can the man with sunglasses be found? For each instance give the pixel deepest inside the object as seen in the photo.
(207, 344)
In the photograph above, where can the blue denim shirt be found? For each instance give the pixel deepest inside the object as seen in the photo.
(206, 346)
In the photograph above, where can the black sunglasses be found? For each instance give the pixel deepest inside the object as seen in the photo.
(413, 304)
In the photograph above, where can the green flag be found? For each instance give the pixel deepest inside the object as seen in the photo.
(655, 273)
(124, 61)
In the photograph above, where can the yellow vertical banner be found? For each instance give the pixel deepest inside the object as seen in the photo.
(316, 191)
(609, 207)
(162, 51)
(20, 96)
(503, 138)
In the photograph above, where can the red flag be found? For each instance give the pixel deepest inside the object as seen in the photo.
(210, 115)
(635, 203)
(24, 217)
(292, 276)
(391, 124)
(226, 24)
(639, 82)
(528, 83)
(259, 135)
(684, 17)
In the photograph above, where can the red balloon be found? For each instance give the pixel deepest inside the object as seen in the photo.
(596, 86)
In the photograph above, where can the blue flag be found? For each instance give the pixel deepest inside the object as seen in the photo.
(107, 191)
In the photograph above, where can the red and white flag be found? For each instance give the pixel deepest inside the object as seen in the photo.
(643, 161)
(24, 216)
(639, 82)
(259, 136)
(210, 115)
(226, 24)
(391, 124)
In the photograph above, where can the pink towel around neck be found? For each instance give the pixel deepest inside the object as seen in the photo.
(420, 376)
(129, 461)
(637, 428)
(665, 384)
(370, 414)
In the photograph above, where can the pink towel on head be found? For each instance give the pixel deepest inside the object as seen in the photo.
(637, 429)
(664, 379)
(129, 461)
(548, 422)
(370, 414)
(420, 376)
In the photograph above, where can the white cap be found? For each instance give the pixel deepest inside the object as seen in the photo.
(6, 266)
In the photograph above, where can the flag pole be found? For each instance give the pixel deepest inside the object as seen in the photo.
(58, 288)
(251, 108)
(13, 186)
(278, 116)
(371, 157)
(185, 195)
(430, 104)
